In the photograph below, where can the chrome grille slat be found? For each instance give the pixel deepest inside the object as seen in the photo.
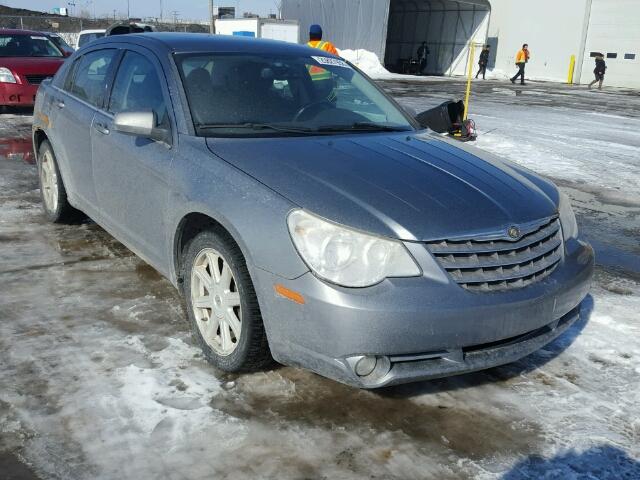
(480, 246)
(488, 265)
(496, 259)
(504, 273)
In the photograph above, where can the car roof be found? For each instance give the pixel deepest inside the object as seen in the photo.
(201, 42)
(15, 31)
(95, 30)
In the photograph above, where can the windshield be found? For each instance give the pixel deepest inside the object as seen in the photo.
(89, 37)
(250, 95)
(60, 43)
(27, 46)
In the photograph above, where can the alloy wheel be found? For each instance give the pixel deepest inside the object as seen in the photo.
(49, 182)
(215, 301)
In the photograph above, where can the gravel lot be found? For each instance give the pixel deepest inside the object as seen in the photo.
(100, 379)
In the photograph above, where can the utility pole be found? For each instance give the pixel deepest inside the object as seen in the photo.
(212, 22)
(278, 4)
(175, 17)
(128, 13)
(160, 10)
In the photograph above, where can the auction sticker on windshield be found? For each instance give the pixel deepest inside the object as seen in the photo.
(336, 62)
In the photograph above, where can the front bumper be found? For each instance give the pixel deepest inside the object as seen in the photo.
(419, 328)
(17, 94)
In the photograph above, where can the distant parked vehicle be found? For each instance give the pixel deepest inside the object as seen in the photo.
(129, 27)
(304, 215)
(26, 59)
(60, 42)
(87, 36)
(17, 148)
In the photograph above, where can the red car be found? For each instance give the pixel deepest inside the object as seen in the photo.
(17, 148)
(26, 59)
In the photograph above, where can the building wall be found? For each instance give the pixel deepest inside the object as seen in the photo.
(346, 23)
(614, 28)
(554, 30)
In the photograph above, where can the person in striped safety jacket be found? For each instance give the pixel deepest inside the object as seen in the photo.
(315, 40)
(319, 74)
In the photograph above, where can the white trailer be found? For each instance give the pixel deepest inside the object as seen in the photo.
(285, 30)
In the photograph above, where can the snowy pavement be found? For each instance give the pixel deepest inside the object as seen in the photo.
(99, 377)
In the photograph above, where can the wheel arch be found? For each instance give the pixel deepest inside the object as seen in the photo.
(188, 227)
(39, 136)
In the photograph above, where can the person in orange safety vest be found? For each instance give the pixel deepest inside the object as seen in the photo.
(522, 57)
(315, 40)
(319, 74)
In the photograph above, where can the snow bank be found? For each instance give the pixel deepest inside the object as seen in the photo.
(366, 61)
(369, 63)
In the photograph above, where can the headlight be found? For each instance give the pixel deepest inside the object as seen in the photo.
(345, 256)
(6, 76)
(567, 218)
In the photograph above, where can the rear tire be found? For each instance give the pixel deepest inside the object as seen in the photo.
(222, 304)
(52, 190)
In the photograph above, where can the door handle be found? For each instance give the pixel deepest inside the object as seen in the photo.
(101, 127)
(59, 104)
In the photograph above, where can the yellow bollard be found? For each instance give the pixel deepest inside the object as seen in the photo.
(472, 49)
(572, 65)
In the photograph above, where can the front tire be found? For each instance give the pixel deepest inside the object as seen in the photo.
(222, 304)
(52, 190)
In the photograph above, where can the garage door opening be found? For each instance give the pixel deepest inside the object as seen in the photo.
(447, 26)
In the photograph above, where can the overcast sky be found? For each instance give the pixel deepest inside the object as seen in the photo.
(188, 9)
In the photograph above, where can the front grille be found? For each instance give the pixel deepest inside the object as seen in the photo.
(36, 79)
(493, 265)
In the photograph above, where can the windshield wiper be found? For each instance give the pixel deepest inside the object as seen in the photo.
(325, 129)
(362, 127)
(256, 126)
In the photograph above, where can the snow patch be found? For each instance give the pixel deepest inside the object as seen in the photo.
(366, 61)
(370, 64)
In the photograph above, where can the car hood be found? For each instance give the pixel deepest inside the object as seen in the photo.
(412, 187)
(32, 65)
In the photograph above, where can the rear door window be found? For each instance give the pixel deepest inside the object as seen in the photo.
(68, 80)
(137, 87)
(89, 80)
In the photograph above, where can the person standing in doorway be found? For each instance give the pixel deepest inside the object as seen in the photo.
(522, 57)
(601, 66)
(423, 51)
(484, 60)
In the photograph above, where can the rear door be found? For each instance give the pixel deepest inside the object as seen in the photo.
(75, 106)
(131, 172)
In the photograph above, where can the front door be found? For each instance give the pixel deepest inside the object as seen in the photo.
(130, 172)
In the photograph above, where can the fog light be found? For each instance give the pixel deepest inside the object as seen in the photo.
(365, 366)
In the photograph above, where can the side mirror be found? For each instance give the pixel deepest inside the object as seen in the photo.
(140, 124)
(67, 54)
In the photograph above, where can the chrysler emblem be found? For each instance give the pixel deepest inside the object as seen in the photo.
(513, 232)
